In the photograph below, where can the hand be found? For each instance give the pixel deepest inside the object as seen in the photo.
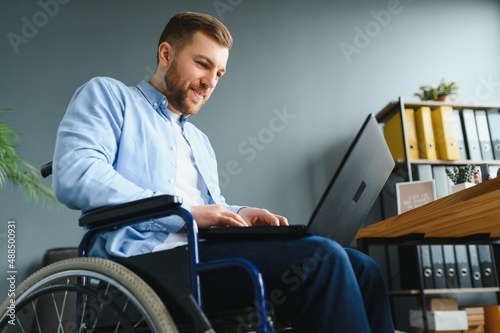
(216, 215)
(253, 216)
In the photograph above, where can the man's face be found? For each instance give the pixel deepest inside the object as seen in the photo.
(193, 74)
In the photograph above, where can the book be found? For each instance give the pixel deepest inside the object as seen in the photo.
(442, 304)
(440, 320)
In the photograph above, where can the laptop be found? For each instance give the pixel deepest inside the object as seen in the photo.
(347, 200)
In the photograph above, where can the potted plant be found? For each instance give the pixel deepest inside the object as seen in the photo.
(440, 93)
(18, 170)
(462, 177)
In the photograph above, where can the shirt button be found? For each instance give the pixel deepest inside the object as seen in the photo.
(163, 229)
(163, 102)
(171, 180)
(155, 104)
(173, 148)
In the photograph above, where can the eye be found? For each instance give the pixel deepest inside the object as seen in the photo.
(202, 64)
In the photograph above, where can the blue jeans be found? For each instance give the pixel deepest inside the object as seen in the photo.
(312, 283)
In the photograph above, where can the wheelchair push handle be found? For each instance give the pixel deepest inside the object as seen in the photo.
(46, 169)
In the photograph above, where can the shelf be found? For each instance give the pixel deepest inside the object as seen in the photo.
(412, 292)
(467, 217)
(394, 105)
(456, 162)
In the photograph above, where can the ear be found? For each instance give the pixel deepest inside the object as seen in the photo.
(165, 54)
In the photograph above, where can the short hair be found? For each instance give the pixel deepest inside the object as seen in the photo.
(181, 28)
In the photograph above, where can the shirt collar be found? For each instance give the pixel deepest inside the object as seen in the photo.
(156, 99)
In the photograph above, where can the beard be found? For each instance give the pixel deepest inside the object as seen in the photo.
(177, 94)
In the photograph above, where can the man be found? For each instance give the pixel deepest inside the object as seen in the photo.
(117, 144)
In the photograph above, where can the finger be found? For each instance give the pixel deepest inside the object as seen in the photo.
(233, 220)
(270, 219)
(282, 220)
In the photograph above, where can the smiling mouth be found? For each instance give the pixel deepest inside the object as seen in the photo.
(198, 93)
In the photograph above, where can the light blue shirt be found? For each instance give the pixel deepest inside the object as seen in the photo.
(116, 144)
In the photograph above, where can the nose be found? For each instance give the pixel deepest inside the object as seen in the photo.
(210, 79)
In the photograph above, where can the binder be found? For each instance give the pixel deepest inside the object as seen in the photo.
(425, 133)
(475, 269)
(483, 133)
(471, 137)
(450, 266)
(459, 134)
(394, 136)
(484, 172)
(494, 126)
(443, 182)
(444, 133)
(487, 265)
(426, 267)
(438, 266)
(422, 171)
(415, 264)
(463, 269)
(393, 267)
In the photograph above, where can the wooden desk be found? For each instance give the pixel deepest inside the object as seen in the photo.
(475, 210)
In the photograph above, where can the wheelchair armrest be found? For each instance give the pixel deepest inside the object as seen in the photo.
(130, 212)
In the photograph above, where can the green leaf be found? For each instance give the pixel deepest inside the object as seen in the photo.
(19, 171)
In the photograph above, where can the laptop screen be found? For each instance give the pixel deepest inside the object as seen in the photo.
(355, 186)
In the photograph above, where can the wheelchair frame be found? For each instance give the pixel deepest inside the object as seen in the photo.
(80, 273)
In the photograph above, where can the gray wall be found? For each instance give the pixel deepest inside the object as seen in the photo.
(325, 64)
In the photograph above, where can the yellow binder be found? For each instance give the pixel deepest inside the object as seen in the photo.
(394, 136)
(425, 133)
(444, 133)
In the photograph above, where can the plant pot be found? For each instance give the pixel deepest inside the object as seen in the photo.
(443, 98)
(459, 187)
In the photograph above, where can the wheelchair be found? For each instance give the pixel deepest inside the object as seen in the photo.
(88, 294)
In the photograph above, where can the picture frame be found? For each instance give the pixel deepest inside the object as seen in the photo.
(414, 194)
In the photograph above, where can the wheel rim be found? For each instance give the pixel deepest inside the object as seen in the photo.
(85, 300)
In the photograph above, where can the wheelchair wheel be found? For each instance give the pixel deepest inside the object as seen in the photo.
(85, 295)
